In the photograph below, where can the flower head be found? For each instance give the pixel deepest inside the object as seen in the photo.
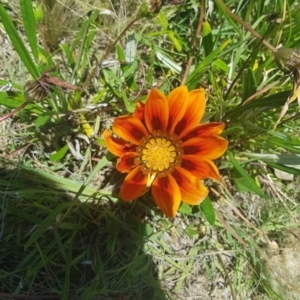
(288, 60)
(163, 147)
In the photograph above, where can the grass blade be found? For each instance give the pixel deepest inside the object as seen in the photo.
(248, 181)
(66, 287)
(18, 43)
(46, 224)
(29, 25)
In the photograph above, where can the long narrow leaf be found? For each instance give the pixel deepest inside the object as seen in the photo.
(18, 43)
(272, 101)
(194, 78)
(47, 222)
(67, 281)
(29, 25)
(248, 181)
(208, 210)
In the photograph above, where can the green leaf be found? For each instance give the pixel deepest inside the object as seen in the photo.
(21, 213)
(131, 48)
(17, 43)
(185, 208)
(67, 279)
(284, 168)
(275, 100)
(245, 182)
(11, 101)
(283, 140)
(83, 38)
(207, 38)
(194, 78)
(42, 120)
(128, 69)
(168, 62)
(282, 159)
(29, 25)
(68, 53)
(221, 65)
(47, 222)
(59, 154)
(249, 84)
(208, 210)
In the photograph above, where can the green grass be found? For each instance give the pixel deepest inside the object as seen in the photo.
(64, 234)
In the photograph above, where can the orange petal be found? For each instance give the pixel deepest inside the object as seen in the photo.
(207, 129)
(192, 190)
(134, 185)
(139, 110)
(129, 129)
(200, 167)
(194, 112)
(156, 111)
(117, 146)
(127, 162)
(166, 194)
(178, 101)
(206, 147)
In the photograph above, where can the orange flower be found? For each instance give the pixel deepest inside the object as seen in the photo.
(162, 146)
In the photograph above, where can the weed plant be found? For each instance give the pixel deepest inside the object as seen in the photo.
(64, 233)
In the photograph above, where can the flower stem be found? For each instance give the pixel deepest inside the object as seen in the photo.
(10, 114)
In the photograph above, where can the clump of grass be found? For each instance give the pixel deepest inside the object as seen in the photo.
(58, 23)
(65, 237)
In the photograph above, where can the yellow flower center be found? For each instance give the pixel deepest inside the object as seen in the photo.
(158, 155)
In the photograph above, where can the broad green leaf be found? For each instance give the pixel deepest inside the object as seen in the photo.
(59, 154)
(208, 210)
(245, 180)
(147, 229)
(185, 209)
(11, 101)
(18, 43)
(29, 25)
(42, 120)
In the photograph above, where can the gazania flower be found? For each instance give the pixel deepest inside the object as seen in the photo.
(163, 147)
